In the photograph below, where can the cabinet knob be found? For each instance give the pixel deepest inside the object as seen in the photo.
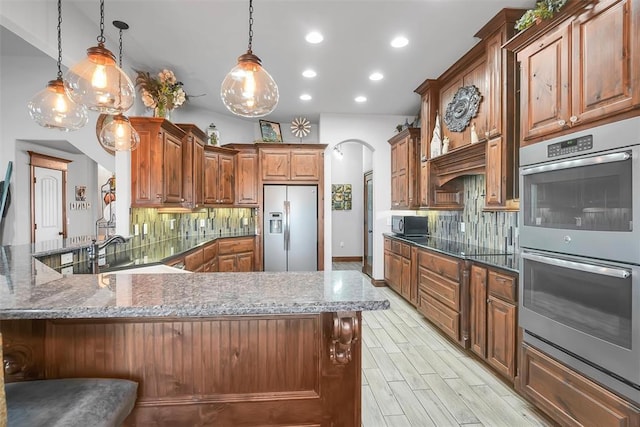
(562, 122)
(573, 119)
(157, 196)
(488, 301)
(182, 200)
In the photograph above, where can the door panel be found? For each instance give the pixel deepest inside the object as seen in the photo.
(48, 204)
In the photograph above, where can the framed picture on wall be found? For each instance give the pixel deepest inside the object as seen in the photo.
(270, 131)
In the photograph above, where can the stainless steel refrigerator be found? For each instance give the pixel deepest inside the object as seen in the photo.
(290, 228)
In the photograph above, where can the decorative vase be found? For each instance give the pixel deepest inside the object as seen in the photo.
(162, 111)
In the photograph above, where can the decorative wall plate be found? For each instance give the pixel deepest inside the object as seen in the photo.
(300, 127)
(462, 108)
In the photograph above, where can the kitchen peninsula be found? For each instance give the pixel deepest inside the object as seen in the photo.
(206, 349)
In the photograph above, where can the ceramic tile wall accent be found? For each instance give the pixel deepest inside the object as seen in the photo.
(494, 230)
(153, 226)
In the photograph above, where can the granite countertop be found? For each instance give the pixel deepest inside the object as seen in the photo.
(31, 290)
(475, 253)
(137, 251)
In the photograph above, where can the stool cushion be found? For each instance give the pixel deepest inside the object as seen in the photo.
(70, 402)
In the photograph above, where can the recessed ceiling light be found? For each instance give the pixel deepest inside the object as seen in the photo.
(305, 97)
(314, 37)
(376, 76)
(361, 99)
(399, 42)
(309, 73)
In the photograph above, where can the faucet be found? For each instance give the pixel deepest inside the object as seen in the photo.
(94, 250)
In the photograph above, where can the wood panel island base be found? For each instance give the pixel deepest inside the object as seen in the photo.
(222, 371)
(207, 349)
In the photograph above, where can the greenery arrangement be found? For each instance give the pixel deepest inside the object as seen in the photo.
(162, 93)
(544, 9)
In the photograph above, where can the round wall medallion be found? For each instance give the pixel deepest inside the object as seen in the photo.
(462, 108)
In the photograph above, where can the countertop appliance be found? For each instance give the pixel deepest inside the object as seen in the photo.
(290, 228)
(580, 252)
(409, 225)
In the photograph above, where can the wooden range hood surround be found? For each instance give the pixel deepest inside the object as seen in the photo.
(466, 160)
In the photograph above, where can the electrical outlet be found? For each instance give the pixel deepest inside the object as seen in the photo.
(342, 244)
(462, 227)
(136, 229)
(172, 224)
(201, 223)
(145, 229)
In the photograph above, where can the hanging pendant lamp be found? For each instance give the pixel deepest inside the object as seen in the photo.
(118, 134)
(248, 90)
(98, 82)
(51, 107)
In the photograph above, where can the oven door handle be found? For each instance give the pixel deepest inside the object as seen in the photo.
(589, 161)
(618, 273)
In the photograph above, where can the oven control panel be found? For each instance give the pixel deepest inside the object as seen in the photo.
(570, 146)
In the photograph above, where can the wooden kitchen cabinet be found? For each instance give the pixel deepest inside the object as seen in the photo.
(439, 292)
(236, 254)
(581, 70)
(156, 165)
(219, 165)
(192, 165)
(568, 397)
(210, 255)
(496, 173)
(493, 318)
(292, 162)
(246, 176)
(194, 261)
(405, 167)
(398, 269)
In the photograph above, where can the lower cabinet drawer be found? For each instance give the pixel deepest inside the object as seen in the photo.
(442, 316)
(443, 289)
(235, 245)
(568, 397)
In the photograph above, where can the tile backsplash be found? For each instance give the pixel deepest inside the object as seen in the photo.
(151, 225)
(495, 230)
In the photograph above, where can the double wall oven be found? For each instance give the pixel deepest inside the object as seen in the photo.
(580, 252)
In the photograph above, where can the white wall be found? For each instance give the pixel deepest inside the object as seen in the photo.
(346, 231)
(373, 131)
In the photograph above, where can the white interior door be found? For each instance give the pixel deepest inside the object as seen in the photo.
(48, 204)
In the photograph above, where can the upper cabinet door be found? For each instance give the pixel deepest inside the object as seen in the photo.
(603, 69)
(305, 165)
(544, 90)
(274, 165)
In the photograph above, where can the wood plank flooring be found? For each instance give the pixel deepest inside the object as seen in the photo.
(413, 376)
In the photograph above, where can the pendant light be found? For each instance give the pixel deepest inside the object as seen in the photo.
(98, 82)
(248, 90)
(118, 134)
(51, 107)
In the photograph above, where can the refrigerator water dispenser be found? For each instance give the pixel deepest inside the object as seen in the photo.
(275, 222)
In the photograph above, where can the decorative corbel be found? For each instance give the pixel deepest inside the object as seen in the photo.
(346, 331)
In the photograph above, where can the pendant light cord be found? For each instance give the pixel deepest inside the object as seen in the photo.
(250, 25)
(101, 38)
(120, 55)
(59, 39)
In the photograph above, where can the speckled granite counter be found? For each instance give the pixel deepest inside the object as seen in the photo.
(480, 254)
(137, 251)
(188, 295)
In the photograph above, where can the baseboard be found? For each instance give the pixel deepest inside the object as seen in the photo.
(378, 283)
(346, 259)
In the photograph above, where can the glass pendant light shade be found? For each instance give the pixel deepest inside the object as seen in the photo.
(52, 108)
(248, 90)
(99, 83)
(119, 135)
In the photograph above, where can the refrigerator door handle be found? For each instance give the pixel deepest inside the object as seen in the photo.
(287, 222)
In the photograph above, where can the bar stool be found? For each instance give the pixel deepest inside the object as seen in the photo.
(72, 402)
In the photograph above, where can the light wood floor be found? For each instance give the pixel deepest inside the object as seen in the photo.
(413, 376)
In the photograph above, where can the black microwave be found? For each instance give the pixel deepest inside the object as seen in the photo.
(409, 225)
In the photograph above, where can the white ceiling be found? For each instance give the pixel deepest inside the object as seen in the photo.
(201, 39)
